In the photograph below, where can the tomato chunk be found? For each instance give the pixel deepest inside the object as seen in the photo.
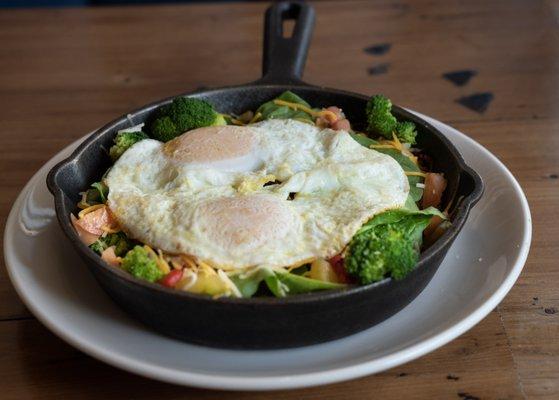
(172, 278)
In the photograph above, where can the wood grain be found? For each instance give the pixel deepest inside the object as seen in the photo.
(64, 72)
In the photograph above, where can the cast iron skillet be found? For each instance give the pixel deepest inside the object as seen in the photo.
(265, 322)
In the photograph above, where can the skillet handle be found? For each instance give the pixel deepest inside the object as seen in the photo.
(285, 57)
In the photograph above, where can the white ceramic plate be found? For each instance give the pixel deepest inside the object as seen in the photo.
(477, 273)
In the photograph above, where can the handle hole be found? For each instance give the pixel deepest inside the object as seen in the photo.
(288, 27)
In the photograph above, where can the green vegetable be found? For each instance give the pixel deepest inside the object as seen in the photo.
(388, 245)
(283, 284)
(381, 121)
(97, 194)
(404, 161)
(119, 240)
(124, 140)
(271, 110)
(248, 282)
(182, 115)
(379, 116)
(280, 283)
(139, 263)
(405, 131)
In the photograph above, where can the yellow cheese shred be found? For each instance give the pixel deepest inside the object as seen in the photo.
(412, 173)
(159, 260)
(256, 117)
(110, 229)
(329, 115)
(89, 209)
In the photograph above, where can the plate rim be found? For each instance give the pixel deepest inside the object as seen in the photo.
(325, 376)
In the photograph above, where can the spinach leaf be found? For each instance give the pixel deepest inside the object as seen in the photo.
(248, 282)
(280, 283)
(393, 216)
(271, 110)
(283, 284)
(97, 194)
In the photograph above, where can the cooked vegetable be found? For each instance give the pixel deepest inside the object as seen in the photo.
(139, 263)
(283, 284)
(405, 131)
(280, 283)
(97, 194)
(119, 240)
(172, 278)
(435, 184)
(109, 256)
(381, 121)
(212, 283)
(272, 110)
(124, 140)
(388, 245)
(182, 115)
(379, 116)
(322, 270)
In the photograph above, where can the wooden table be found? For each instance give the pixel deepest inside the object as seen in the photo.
(64, 72)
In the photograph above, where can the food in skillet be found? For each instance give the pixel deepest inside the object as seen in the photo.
(282, 200)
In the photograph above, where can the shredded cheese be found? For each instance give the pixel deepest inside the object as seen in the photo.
(256, 117)
(89, 209)
(396, 145)
(413, 173)
(193, 277)
(382, 146)
(237, 122)
(109, 229)
(162, 263)
(228, 283)
(158, 258)
(329, 115)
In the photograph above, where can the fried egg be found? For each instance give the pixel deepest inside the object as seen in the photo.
(278, 193)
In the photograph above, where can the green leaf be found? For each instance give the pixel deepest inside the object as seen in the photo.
(280, 283)
(393, 216)
(271, 110)
(410, 204)
(248, 282)
(102, 189)
(97, 194)
(284, 284)
(363, 139)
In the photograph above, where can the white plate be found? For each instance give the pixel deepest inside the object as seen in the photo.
(477, 273)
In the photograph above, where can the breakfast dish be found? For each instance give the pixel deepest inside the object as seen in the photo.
(277, 201)
(212, 297)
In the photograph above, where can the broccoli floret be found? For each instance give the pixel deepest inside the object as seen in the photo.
(139, 263)
(182, 115)
(164, 129)
(381, 121)
(380, 251)
(379, 116)
(387, 249)
(406, 132)
(119, 240)
(123, 141)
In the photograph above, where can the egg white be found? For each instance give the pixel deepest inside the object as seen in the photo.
(203, 194)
